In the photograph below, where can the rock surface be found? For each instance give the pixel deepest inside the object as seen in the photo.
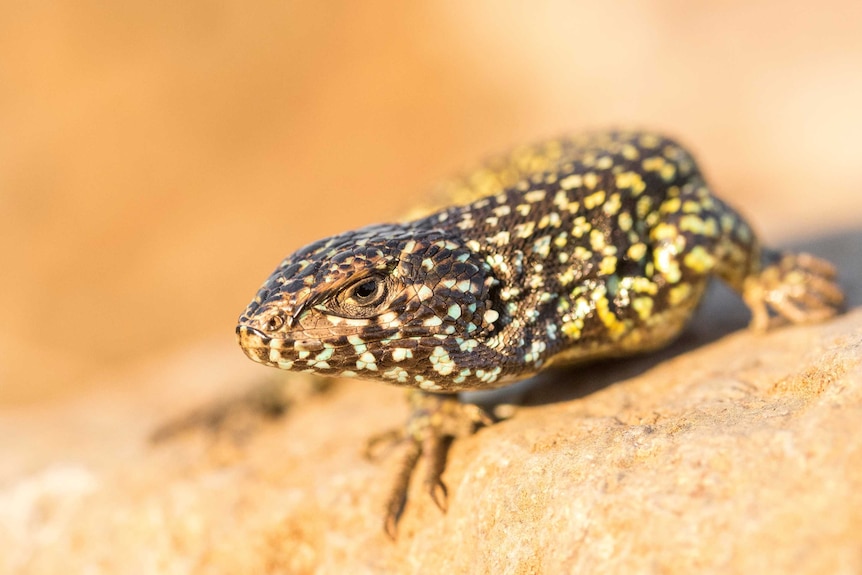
(730, 452)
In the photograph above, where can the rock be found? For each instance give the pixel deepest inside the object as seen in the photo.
(730, 452)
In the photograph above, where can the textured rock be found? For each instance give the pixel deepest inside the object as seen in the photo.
(730, 452)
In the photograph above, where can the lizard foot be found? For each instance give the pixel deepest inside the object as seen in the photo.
(435, 420)
(795, 288)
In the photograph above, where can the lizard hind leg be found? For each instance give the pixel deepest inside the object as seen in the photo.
(794, 288)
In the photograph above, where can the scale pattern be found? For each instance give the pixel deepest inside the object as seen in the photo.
(567, 251)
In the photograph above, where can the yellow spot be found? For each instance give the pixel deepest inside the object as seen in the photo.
(631, 180)
(699, 260)
(500, 239)
(580, 227)
(616, 328)
(667, 265)
(561, 240)
(693, 224)
(653, 164)
(561, 199)
(591, 180)
(679, 294)
(524, 230)
(663, 232)
(636, 251)
(667, 172)
(670, 206)
(597, 240)
(572, 182)
(612, 205)
(552, 219)
(691, 207)
(625, 221)
(605, 162)
(573, 328)
(710, 229)
(566, 277)
(594, 200)
(534, 196)
(523, 209)
(643, 306)
(649, 141)
(644, 285)
(582, 253)
(608, 265)
(630, 152)
(644, 205)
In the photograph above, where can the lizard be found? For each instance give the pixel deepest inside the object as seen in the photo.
(562, 252)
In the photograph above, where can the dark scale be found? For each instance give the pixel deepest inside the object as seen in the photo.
(567, 251)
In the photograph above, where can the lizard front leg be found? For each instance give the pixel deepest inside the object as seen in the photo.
(435, 420)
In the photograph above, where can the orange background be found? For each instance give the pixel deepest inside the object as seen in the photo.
(157, 159)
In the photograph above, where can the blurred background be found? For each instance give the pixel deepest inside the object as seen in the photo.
(157, 159)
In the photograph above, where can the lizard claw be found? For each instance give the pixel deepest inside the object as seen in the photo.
(435, 420)
(795, 288)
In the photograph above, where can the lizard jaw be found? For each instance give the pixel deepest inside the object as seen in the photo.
(274, 351)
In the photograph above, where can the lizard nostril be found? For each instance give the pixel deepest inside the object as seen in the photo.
(275, 322)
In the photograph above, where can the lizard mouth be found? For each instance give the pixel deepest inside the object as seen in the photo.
(254, 343)
(274, 351)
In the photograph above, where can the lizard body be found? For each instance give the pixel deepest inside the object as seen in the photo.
(571, 250)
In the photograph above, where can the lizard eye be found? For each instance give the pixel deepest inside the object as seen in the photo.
(366, 292)
(363, 298)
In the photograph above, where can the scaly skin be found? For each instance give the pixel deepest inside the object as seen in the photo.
(568, 251)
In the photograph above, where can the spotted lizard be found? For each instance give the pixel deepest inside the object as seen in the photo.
(574, 249)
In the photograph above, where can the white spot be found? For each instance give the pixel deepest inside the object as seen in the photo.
(432, 321)
(400, 354)
(468, 345)
(388, 317)
(454, 311)
(429, 385)
(397, 373)
(490, 316)
(424, 293)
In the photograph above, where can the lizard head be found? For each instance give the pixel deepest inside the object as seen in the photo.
(405, 305)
